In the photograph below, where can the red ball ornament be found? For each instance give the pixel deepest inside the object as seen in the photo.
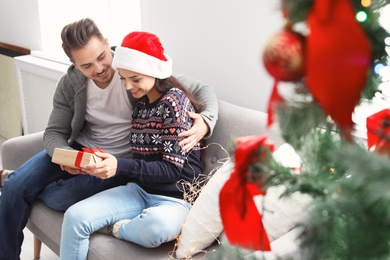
(283, 56)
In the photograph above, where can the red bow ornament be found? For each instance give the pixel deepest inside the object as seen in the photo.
(338, 60)
(241, 219)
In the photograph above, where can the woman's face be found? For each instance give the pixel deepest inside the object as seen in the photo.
(138, 84)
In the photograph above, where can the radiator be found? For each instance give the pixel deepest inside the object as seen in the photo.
(37, 80)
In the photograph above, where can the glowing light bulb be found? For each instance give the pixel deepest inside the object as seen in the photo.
(387, 40)
(366, 3)
(361, 16)
(378, 67)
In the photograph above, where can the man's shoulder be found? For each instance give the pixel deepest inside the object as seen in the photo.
(73, 77)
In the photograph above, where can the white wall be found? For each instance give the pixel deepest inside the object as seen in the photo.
(19, 23)
(219, 42)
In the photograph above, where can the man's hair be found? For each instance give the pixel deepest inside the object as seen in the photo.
(77, 34)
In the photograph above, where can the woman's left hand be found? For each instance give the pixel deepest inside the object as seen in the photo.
(192, 136)
(104, 169)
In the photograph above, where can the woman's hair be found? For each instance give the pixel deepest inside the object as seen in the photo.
(163, 85)
(76, 35)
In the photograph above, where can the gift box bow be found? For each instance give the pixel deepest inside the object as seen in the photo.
(80, 154)
(378, 129)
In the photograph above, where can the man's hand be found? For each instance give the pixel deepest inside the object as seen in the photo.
(104, 169)
(71, 170)
(192, 136)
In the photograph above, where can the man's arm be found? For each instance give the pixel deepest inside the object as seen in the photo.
(206, 94)
(58, 129)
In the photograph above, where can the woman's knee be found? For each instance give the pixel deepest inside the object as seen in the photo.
(158, 231)
(76, 216)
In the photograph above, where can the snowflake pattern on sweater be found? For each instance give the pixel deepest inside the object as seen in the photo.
(154, 138)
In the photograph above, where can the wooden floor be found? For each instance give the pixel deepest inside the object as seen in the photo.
(28, 252)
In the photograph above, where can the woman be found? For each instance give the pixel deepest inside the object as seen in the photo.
(151, 209)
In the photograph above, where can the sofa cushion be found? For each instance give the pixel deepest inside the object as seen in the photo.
(283, 213)
(203, 224)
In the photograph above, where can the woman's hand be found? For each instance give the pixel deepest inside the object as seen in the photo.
(192, 136)
(104, 169)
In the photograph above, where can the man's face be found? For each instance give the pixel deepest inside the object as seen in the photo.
(94, 61)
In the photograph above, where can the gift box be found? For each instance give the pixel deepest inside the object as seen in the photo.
(378, 132)
(74, 158)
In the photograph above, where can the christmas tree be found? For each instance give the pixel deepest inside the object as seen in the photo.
(329, 51)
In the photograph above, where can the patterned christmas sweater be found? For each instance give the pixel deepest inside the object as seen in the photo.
(159, 165)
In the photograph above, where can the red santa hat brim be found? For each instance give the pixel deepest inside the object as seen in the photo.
(140, 62)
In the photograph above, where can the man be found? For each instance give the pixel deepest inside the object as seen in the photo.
(90, 109)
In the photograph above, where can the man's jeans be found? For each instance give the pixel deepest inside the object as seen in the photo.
(28, 183)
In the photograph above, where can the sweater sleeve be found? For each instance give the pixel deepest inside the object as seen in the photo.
(149, 171)
(58, 129)
(206, 94)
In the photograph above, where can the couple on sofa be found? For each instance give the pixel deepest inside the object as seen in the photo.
(149, 126)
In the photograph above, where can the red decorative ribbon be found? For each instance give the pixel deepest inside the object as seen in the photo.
(378, 131)
(275, 98)
(241, 219)
(80, 154)
(78, 160)
(93, 150)
(337, 62)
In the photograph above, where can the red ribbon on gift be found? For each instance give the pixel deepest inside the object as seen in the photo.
(80, 154)
(92, 150)
(78, 160)
(241, 219)
(378, 131)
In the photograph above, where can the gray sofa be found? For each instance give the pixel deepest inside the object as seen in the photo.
(46, 223)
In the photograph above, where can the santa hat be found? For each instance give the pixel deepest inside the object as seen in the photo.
(143, 53)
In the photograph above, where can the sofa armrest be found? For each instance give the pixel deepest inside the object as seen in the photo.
(17, 150)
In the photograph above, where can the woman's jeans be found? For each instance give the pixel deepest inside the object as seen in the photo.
(28, 183)
(150, 219)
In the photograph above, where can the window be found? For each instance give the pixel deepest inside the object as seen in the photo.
(115, 19)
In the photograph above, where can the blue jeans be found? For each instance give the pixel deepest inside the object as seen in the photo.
(151, 219)
(27, 183)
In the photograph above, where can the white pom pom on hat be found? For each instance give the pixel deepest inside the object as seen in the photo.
(142, 52)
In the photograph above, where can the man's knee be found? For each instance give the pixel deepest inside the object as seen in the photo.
(58, 195)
